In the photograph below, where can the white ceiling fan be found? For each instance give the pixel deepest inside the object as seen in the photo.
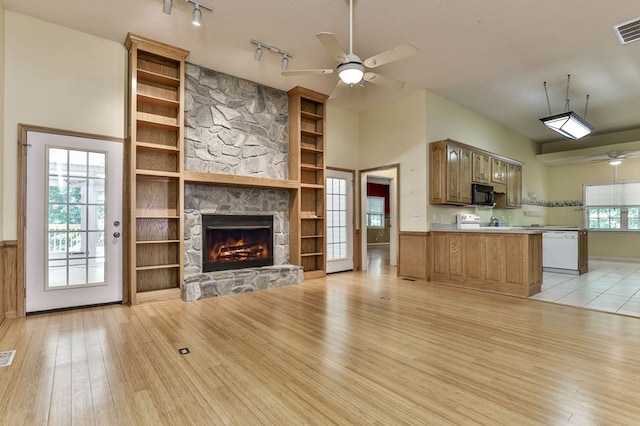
(614, 158)
(351, 68)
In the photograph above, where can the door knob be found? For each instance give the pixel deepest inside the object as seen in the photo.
(116, 234)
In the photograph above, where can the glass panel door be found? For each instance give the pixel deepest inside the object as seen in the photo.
(73, 205)
(339, 230)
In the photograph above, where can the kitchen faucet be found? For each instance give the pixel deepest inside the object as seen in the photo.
(494, 221)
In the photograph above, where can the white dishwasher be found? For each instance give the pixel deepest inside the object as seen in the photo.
(560, 250)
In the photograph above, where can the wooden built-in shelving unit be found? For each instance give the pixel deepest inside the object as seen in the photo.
(154, 166)
(307, 121)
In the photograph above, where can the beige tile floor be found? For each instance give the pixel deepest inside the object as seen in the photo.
(610, 286)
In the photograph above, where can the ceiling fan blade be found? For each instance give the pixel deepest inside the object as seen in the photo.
(380, 80)
(395, 54)
(308, 72)
(331, 42)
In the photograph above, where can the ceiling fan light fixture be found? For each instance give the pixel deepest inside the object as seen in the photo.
(351, 73)
(568, 124)
(615, 162)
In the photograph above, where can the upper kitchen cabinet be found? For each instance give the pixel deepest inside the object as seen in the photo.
(499, 174)
(453, 166)
(514, 185)
(450, 166)
(481, 168)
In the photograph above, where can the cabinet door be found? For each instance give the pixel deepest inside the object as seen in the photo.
(465, 176)
(481, 167)
(498, 171)
(437, 173)
(514, 185)
(453, 174)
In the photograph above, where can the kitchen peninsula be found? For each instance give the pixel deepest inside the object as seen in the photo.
(504, 260)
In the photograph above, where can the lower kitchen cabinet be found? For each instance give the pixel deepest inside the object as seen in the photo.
(506, 262)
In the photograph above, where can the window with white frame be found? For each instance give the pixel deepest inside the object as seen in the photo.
(612, 206)
(375, 212)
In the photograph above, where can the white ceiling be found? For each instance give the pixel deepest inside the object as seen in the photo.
(491, 56)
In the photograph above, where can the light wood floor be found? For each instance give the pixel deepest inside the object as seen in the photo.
(349, 349)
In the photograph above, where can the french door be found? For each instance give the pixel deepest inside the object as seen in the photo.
(339, 232)
(73, 249)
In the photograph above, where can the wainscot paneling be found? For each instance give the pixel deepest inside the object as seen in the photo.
(413, 255)
(9, 283)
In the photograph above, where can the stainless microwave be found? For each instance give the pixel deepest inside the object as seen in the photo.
(481, 195)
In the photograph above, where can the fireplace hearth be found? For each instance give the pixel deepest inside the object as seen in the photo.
(236, 242)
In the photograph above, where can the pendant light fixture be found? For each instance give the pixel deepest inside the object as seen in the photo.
(568, 124)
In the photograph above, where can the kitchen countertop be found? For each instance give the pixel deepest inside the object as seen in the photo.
(494, 230)
(506, 229)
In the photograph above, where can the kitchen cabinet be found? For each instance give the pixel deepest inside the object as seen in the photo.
(503, 262)
(511, 197)
(450, 168)
(481, 168)
(514, 185)
(453, 166)
(499, 174)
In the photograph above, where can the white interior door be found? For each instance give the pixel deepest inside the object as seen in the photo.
(339, 232)
(73, 249)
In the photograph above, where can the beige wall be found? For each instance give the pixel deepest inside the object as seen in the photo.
(343, 138)
(60, 78)
(566, 184)
(395, 134)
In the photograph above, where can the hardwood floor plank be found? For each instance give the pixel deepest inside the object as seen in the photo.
(351, 348)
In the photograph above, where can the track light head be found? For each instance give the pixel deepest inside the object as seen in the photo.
(166, 7)
(285, 62)
(258, 54)
(197, 14)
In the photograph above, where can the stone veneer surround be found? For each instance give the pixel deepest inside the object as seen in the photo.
(214, 199)
(235, 127)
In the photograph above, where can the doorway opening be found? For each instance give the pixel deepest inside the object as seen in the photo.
(378, 217)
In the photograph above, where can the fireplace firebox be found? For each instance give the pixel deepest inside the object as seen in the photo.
(236, 241)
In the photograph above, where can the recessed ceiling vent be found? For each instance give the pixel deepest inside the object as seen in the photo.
(628, 31)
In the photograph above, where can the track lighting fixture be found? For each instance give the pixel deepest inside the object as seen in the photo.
(197, 14)
(258, 54)
(197, 11)
(260, 48)
(166, 7)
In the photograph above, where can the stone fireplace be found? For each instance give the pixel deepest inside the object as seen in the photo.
(235, 127)
(236, 241)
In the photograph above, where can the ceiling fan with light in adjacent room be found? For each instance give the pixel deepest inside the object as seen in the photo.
(351, 69)
(614, 158)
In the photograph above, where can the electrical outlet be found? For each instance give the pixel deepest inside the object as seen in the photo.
(416, 217)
